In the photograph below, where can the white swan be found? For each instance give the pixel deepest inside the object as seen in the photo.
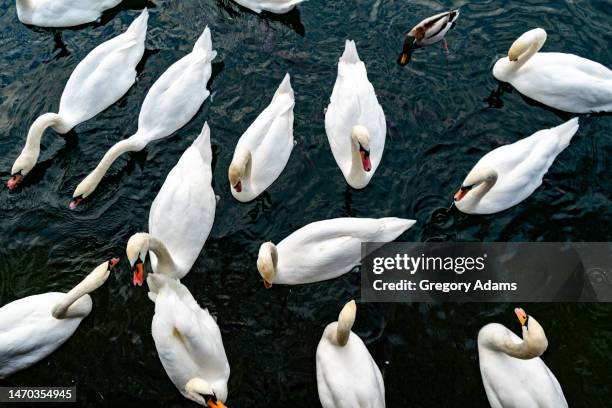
(98, 81)
(509, 174)
(354, 121)
(264, 149)
(563, 81)
(273, 6)
(427, 32)
(36, 326)
(62, 13)
(181, 216)
(324, 249)
(512, 372)
(170, 104)
(347, 375)
(188, 343)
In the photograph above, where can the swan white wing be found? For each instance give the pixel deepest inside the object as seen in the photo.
(177, 95)
(522, 165)
(30, 332)
(348, 377)
(187, 339)
(273, 6)
(62, 13)
(327, 249)
(183, 212)
(270, 141)
(104, 75)
(563, 81)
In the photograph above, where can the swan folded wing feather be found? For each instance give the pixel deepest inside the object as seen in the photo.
(30, 332)
(66, 13)
(183, 211)
(348, 376)
(273, 6)
(101, 78)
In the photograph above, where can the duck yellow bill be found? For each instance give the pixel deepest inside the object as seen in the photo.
(404, 58)
(522, 316)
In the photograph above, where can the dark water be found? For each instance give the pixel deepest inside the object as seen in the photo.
(440, 121)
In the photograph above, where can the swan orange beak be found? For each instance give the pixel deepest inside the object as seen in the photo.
(461, 193)
(75, 202)
(522, 316)
(112, 263)
(215, 404)
(138, 274)
(238, 187)
(365, 160)
(14, 181)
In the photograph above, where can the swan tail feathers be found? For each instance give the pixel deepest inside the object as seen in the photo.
(566, 132)
(202, 144)
(346, 319)
(397, 226)
(350, 55)
(203, 45)
(138, 28)
(285, 88)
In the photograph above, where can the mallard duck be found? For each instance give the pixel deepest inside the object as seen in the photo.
(427, 32)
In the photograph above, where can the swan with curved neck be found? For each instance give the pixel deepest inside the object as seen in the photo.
(97, 82)
(164, 111)
(355, 122)
(181, 216)
(347, 375)
(512, 371)
(62, 13)
(509, 174)
(562, 81)
(35, 326)
(263, 151)
(324, 249)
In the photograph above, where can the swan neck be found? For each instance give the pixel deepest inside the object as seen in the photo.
(531, 51)
(165, 263)
(38, 129)
(69, 306)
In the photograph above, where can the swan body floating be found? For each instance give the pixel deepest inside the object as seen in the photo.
(170, 104)
(512, 371)
(355, 122)
(181, 216)
(188, 343)
(347, 375)
(427, 32)
(565, 82)
(509, 174)
(273, 6)
(324, 249)
(97, 82)
(264, 149)
(62, 13)
(36, 326)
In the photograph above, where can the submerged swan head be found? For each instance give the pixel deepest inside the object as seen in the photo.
(267, 261)
(535, 342)
(239, 169)
(530, 42)
(202, 392)
(361, 141)
(22, 166)
(136, 250)
(477, 183)
(85, 188)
